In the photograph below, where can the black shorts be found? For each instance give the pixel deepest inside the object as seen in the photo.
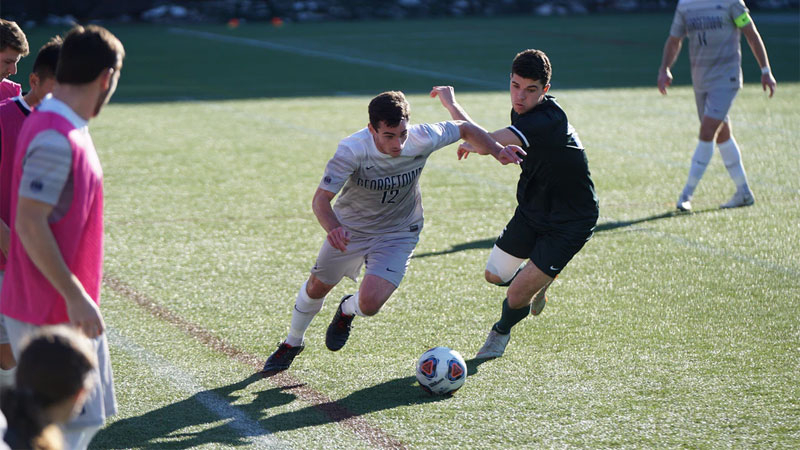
(549, 248)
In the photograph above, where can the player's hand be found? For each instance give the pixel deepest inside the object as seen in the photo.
(768, 81)
(339, 238)
(510, 154)
(464, 150)
(446, 95)
(664, 80)
(85, 315)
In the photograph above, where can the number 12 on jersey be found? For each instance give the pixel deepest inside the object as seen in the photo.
(389, 196)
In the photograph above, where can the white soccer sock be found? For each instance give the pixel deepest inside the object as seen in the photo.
(351, 307)
(7, 377)
(732, 158)
(305, 308)
(700, 159)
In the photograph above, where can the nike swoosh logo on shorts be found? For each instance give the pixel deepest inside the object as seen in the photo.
(390, 270)
(553, 268)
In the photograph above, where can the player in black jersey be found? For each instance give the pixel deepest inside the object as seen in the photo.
(557, 206)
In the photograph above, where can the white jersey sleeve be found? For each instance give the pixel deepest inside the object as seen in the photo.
(339, 169)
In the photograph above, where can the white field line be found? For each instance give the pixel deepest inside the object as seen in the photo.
(441, 77)
(185, 382)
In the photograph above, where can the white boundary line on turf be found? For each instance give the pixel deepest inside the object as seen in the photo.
(239, 421)
(443, 77)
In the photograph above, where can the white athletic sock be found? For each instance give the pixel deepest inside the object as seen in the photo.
(351, 307)
(305, 308)
(732, 158)
(7, 377)
(700, 159)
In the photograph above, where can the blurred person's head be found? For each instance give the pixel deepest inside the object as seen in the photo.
(52, 382)
(388, 122)
(530, 79)
(13, 47)
(90, 61)
(43, 76)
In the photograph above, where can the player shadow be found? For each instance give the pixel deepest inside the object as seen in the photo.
(178, 421)
(482, 244)
(613, 225)
(175, 426)
(601, 227)
(391, 394)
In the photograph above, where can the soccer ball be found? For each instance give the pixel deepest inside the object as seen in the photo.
(441, 371)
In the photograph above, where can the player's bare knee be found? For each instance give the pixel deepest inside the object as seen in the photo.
(316, 288)
(517, 300)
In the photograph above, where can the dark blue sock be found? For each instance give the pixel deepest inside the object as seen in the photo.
(510, 317)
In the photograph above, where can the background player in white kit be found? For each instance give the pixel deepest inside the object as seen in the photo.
(714, 30)
(376, 219)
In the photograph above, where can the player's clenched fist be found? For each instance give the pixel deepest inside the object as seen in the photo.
(339, 238)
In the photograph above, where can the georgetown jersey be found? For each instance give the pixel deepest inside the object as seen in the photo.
(712, 27)
(381, 194)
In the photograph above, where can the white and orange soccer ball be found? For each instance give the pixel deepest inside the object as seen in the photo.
(441, 371)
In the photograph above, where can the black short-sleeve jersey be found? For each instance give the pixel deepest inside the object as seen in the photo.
(555, 187)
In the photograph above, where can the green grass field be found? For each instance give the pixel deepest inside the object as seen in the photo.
(666, 330)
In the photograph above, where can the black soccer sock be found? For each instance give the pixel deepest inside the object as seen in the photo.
(510, 317)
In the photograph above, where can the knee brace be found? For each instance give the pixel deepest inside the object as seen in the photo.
(503, 264)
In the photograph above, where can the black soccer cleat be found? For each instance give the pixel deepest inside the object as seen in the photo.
(281, 359)
(339, 329)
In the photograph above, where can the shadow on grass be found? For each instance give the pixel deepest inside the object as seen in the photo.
(189, 423)
(602, 227)
(388, 395)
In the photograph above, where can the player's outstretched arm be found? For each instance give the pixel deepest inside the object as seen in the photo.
(760, 52)
(671, 50)
(338, 237)
(39, 243)
(447, 96)
(483, 143)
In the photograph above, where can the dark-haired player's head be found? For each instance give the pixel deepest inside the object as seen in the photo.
(43, 76)
(91, 55)
(52, 381)
(388, 122)
(530, 79)
(13, 47)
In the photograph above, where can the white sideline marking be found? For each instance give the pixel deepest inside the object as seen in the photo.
(240, 422)
(443, 77)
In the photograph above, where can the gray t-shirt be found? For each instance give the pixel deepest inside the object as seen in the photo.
(379, 193)
(715, 51)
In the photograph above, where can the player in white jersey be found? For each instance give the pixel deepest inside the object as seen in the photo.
(714, 29)
(377, 218)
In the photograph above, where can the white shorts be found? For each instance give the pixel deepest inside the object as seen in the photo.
(101, 402)
(386, 256)
(715, 103)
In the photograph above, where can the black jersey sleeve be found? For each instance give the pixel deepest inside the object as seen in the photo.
(535, 127)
